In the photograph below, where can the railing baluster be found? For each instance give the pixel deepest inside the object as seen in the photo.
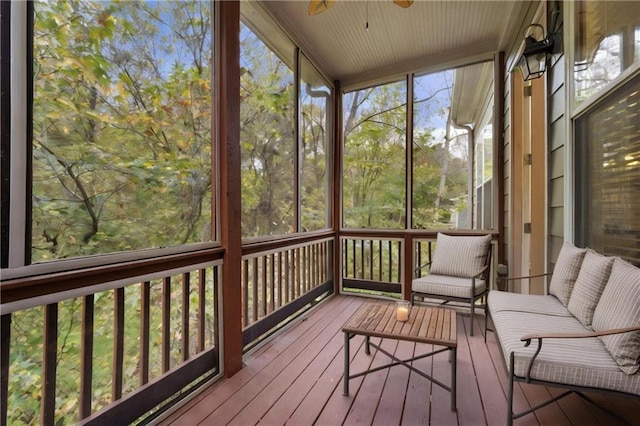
(380, 276)
(202, 303)
(279, 277)
(371, 259)
(118, 344)
(325, 262)
(361, 272)
(145, 323)
(345, 258)
(307, 268)
(184, 332)
(166, 324)
(49, 362)
(86, 356)
(298, 272)
(291, 275)
(418, 256)
(256, 277)
(216, 308)
(272, 281)
(390, 245)
(310, 269)
(354, 256)
(263, 287)
(5, 344)
(245, 294)
(316, 264)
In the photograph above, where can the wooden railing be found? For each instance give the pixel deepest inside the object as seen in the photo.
(112, 351)
(279, 282)
(110, 340)
(372, 264)
(382, 262)
(124, 337)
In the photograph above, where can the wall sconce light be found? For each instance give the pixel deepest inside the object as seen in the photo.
(533, 62)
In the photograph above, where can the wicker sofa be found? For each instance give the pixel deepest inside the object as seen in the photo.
(586, 330)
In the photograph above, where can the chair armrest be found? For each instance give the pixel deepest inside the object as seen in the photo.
(421, 267)
(481, 271)
(527, 338)
(526, 277)
(508, 280)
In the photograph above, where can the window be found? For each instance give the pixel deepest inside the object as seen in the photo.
(483, 179)
(440, 155)
(121, 127)
(375, 157)
(606, 43)
(451, 152)
(452, 149)
(608, 174)
(315, 103)
(267, 132)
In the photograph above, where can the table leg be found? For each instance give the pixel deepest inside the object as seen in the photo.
(346, 365)
(367, 349)
(454, 362)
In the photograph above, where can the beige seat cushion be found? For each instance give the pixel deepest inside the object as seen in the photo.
(580, 362)
(536, 304)
(443, 285)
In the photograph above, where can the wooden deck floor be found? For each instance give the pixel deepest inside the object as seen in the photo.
(296, 379)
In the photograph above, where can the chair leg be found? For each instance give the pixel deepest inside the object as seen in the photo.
(486, 322)
(510, 395)
(473, 311)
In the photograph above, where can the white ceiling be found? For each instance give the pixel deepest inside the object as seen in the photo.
(426, 35)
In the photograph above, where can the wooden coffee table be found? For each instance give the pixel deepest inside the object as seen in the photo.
(429, 325)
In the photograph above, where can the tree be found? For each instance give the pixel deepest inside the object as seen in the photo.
(122, 137)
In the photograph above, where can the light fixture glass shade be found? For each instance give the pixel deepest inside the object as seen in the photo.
(533, 66)
(533, 62)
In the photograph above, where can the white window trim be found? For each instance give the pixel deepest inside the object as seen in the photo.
(573, 112)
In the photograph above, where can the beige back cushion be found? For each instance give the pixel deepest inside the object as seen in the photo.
(566, 271)
(589, 285)
(619, 307)
(460, 256)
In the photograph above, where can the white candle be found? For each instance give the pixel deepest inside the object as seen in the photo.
(402, 313)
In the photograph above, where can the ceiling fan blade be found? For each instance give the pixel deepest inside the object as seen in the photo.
(319, 6)
(403, 3)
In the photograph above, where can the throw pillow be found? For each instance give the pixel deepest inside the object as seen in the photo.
(566, 271)
(589, 285)
(619, 307)
(460, 256)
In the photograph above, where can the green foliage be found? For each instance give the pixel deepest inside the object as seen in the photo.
(25, 371)
(374, 158)
(374, 184)
(122, 128)
(268, 146)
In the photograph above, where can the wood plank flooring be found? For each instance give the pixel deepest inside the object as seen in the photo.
(296, 379)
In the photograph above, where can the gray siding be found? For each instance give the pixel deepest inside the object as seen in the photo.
(556, 134)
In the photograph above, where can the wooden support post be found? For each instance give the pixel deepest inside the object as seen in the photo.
(227, 131)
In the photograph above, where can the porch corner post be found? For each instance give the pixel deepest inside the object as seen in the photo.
(227, 130)
(498, 152)
(336, 185)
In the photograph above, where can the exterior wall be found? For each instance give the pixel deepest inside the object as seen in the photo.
(557, 120)
(511, 59)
